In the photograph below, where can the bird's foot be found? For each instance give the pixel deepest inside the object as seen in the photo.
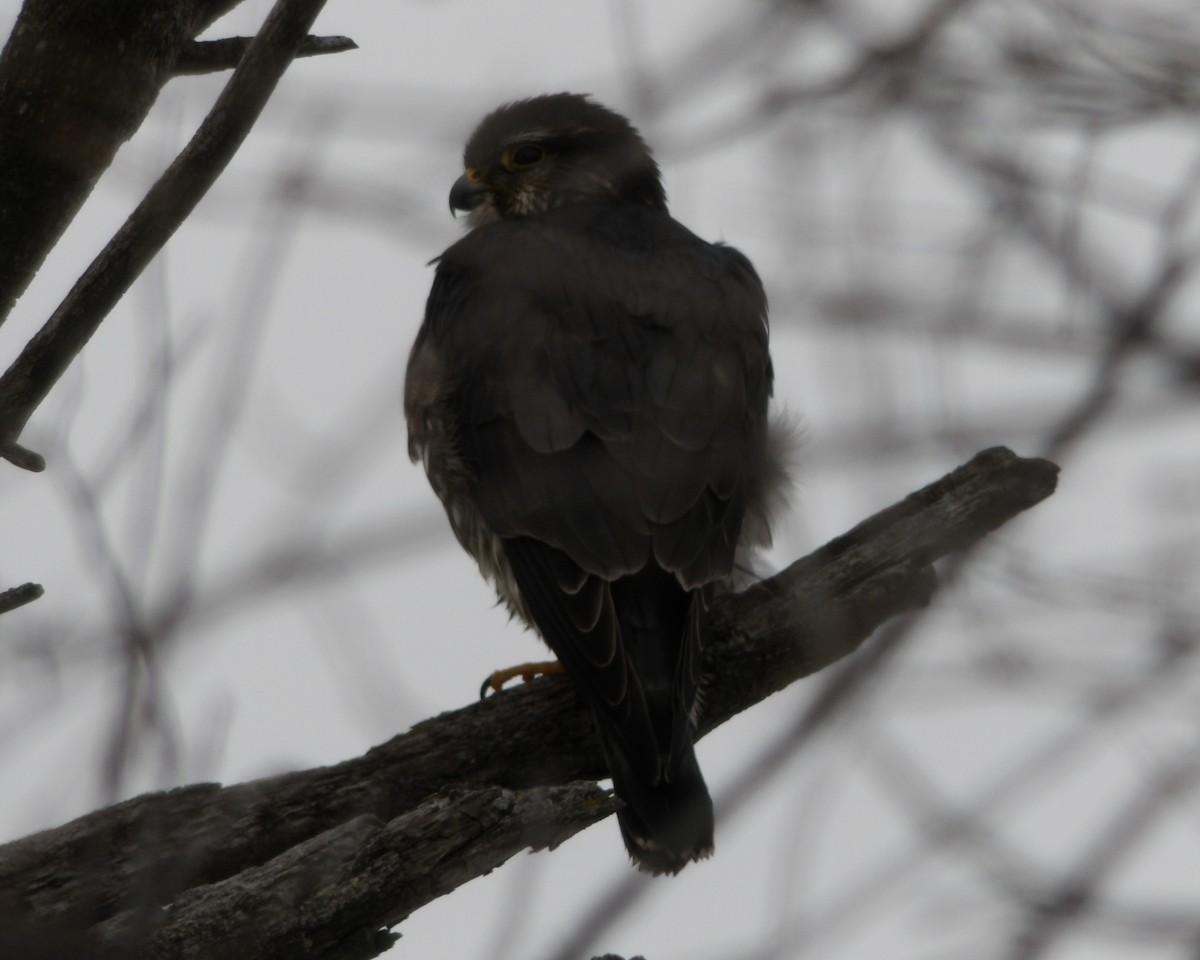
(526, 671)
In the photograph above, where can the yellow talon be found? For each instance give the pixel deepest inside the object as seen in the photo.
(526, 671)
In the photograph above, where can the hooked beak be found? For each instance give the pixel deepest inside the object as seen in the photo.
(467, 194)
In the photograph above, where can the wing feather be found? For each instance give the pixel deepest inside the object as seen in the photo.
(602, 379)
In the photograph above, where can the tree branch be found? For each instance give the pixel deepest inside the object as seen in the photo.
(213, 56)
(15, 597)
(77, 79)
(487, 779)
(168, 203)
(342, 886)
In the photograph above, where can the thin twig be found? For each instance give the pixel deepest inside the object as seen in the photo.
(19, 596)
(213, 56)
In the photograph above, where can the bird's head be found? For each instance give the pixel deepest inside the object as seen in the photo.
(547, 152)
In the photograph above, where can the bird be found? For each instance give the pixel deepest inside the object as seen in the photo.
(588, 393)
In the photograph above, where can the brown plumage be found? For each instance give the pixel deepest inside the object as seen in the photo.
(589, 395)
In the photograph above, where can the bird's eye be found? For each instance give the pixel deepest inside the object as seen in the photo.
(523, 157)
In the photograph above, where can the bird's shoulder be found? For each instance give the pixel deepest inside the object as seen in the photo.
(630, 235)
(601, 267)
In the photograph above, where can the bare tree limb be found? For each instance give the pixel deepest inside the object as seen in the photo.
(340, 887)
(22, 457)
(213, 56)
(111, 870)
(168, 203)
(19, 596)
(76, 81)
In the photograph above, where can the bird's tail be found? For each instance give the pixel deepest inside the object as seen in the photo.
(634, 645)
(667, 819)
(665, 825)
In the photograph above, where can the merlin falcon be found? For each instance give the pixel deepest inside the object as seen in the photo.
(588, 394)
